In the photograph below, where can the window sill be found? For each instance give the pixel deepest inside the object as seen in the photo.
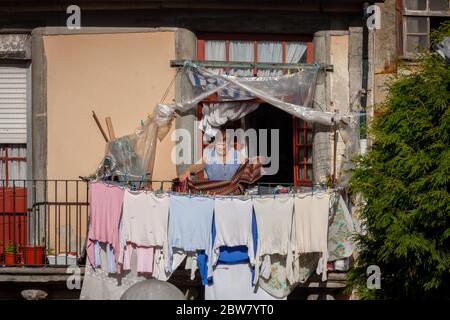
(409, 61)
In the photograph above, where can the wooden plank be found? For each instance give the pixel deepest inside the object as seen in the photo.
(99, 126)
(110, 127)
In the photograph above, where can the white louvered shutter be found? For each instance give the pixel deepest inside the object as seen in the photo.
(13, 104)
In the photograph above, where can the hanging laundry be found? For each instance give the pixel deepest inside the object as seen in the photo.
(105, 211)
(190, 225)
(274, 217)
(111, 263)
(144, 257)
(341, 231)
(311, 224)
(233, 224)
(234, 282)
(230, 254)
(144, 227)
(277, 284)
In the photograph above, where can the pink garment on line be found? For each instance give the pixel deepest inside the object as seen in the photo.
(105, 212)
(144, 258)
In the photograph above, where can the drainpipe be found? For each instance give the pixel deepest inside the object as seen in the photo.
(365, 82)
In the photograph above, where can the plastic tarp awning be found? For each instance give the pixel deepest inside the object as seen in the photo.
(292, 93)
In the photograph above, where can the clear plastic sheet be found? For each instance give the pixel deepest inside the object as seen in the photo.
(132, 157)
(291, 93)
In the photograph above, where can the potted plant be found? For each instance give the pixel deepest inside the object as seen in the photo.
(51, 257)
(10, 254)
(33, 254)
(67, 258)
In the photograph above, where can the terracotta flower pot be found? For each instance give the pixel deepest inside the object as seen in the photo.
(9, 258)
(33, 254)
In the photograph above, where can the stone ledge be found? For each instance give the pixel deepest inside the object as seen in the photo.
(35, 274)
(47, 274)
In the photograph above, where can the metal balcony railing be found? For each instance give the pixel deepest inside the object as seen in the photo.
(43, 222)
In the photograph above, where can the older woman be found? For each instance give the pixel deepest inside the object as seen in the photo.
(220, 160)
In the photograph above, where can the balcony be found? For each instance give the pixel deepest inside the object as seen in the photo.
(43, 231)
(43, 222)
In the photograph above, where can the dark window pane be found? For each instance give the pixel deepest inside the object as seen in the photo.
(416, 4)
(309, 172)
(416, 25)
(309, 157)
(301, 172)
(310, 137)
(438, 5)
(435, 22)
(301, 155)
(415, 44)
(301, 136)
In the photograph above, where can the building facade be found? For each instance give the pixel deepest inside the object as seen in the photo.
(118, 64)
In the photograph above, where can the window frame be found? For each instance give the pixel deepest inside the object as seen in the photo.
(255, 38)
(5, 158)
(304, 127)
(426, 13)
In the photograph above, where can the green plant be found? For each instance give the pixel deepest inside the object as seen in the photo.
(51, 252)
(404, 181)
(11, 248)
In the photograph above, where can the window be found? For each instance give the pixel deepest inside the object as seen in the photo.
(419, 17)
(14, 99)
(13, 163)
(297, 135)
(303, 152)
(254, 48)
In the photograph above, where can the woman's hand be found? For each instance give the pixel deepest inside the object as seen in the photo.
(185, 176)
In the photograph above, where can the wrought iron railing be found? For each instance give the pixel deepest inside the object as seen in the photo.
(43, 222)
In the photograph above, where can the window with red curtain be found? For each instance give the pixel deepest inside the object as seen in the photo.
(272, 49)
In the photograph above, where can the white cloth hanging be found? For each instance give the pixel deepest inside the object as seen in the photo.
(274, 219)
(233, 221)
(190, 228)
(234, 282)
(311, 224)
(145, 216)
(216, 115)
(143, 224)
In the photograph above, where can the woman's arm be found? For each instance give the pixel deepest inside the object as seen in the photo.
(192, 169)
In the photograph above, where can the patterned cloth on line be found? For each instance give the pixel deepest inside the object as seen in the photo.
(248, 173)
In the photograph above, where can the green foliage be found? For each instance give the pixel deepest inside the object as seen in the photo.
(10, 248)
(404, 181)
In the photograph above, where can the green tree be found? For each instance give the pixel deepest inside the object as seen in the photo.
(404, 184)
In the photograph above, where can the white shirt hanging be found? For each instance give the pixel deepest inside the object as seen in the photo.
(274, 218)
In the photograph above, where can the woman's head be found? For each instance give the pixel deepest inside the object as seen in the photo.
(221, 141)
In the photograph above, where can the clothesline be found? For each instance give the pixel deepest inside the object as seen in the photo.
(320, 190)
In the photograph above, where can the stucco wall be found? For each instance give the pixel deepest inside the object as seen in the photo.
(339, 88)
(120, 75)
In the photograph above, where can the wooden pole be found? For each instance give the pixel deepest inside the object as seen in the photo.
(109, 125)
(99, 126)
